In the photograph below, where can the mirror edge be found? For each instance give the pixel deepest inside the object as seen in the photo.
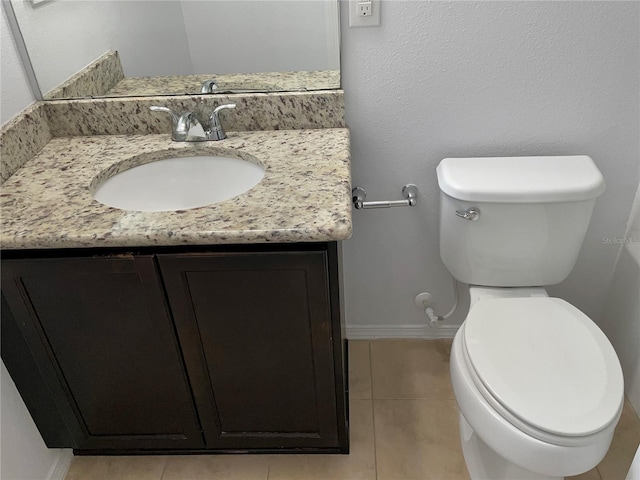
(34, 86)
(21, 47)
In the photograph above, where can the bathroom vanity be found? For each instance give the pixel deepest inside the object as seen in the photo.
(229, 348)
(215, 329)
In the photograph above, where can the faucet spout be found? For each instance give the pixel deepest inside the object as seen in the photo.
(185, 127)
(209, 86)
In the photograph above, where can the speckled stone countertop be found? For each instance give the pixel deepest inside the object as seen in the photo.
(260, 82)
(105, 78)
(303, 197)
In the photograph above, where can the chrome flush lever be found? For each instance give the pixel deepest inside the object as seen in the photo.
(470, 214)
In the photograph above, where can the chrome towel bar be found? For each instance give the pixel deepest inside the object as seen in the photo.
(409, 192)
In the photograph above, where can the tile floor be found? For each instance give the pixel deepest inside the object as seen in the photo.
(404, 426)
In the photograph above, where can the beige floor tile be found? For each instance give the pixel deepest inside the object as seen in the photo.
(406, 369)
(217, 467)
(418, 440)
(137, 468)
(358, 465)
(147, 467)
(88, 468)
(626, 439)
(359, 370)
(590, 475)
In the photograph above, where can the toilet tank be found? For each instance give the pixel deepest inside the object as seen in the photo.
(533, 216)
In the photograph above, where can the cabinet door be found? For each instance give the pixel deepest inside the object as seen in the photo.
(101, 334)
(256, 335)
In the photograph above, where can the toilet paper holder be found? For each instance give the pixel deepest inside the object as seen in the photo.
(409, 192)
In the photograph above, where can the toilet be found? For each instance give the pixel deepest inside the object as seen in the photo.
(538, 385)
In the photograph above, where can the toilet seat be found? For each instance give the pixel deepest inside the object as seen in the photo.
(573, 388)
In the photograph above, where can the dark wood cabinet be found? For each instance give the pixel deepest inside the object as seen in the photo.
(218, 349)
(257, 327)
(100, 330)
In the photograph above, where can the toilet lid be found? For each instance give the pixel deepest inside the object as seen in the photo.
(545, 362)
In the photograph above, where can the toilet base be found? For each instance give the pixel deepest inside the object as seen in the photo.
(484, 463)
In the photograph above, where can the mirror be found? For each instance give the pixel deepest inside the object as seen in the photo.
(115, 48)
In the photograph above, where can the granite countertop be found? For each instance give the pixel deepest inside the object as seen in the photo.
(260, 82)
(303, 197)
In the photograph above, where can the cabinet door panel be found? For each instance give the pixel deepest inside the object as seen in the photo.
(256, 329)
(105, 327)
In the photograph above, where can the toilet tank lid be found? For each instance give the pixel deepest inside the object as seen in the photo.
(521, 179)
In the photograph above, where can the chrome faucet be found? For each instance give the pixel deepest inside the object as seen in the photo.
(187, 128)
(216, 132)
(209, 86)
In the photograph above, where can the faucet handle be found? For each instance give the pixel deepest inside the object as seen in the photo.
(222, 107)
(174, 116)
(217, 132)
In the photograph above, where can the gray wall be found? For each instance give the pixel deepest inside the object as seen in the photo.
(441, 79)
(620, 318)
(178, 37)
(23, 454)
(15, 93)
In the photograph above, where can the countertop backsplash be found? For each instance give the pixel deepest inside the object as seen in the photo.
(26, 134)
(255, 111)
(21, 138)
(94, 80)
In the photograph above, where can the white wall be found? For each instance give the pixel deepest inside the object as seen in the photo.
(156, 38)
(64, 36)
(23, 454)
(620, 318)
(15, 93)
(441, 79)
(149, 45)
(260, 36)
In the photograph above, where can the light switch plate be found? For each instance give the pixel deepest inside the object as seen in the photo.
(372, 20)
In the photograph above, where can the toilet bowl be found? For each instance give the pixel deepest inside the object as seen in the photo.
(529, 409)
(538, 385)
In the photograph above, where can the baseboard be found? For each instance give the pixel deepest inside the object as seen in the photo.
(60, 468)
(370, 332)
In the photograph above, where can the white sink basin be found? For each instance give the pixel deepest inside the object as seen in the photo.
(179, 183)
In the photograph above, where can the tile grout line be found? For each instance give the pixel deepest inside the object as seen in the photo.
(600, 477)
(626, 400)
(164, 468)
(370, 369)
(269, 467)
(373, 415)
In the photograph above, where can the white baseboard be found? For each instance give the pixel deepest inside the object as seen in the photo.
(60, 468)
(370, 332)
